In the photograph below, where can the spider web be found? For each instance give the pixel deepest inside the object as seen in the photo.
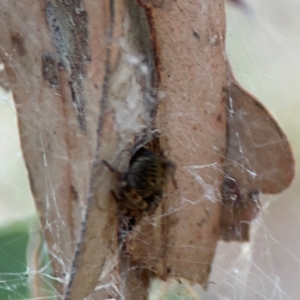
(262, 49)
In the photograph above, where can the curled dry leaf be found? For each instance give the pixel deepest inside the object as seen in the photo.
(52, 143)
(258, 159)
(179, 241)
(73, 113)
(126, 112)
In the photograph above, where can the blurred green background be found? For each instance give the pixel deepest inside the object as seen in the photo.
(13, 264)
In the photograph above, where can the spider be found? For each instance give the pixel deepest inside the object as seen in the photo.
(141, 188)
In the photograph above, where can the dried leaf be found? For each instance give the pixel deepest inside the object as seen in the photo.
(259, 159)
(126, 115)
(258, 154)
(180, 240)
(58, 121)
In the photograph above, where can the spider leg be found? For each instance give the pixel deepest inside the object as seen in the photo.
(118, 200)
(119, 175)
(109, 166)
(123, 210)
(153, 202)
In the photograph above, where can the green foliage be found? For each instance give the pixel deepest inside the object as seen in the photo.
(13, 268)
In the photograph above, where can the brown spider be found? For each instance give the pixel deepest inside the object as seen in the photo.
(141, 188)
